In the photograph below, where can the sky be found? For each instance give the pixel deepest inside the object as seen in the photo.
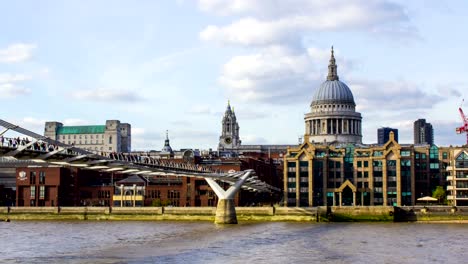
(173, 65)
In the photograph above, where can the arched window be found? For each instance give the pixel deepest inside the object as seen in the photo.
(110, 139)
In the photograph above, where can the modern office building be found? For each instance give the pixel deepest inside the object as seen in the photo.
(383, 134)
(457, 177)
(111, 137)
(423, 132)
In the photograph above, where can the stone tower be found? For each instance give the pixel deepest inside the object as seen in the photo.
(229, 138)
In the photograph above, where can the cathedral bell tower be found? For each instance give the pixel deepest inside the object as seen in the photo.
(229, 138)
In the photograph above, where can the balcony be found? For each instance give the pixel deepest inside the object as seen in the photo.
(128, 198)
(450, 178)
(449, 197)
(450, 187)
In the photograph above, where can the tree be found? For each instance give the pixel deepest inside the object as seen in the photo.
(439, 193)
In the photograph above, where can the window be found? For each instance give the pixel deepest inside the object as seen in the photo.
(405, 153)
(462, 161)
(42, 192)
(378, 153)
(110, 139)
(33, 192)
(41, 177)
(32, 177)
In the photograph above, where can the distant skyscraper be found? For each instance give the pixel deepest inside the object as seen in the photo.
(423, 132)
(383, 134)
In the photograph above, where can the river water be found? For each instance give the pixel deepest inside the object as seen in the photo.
(204, 242)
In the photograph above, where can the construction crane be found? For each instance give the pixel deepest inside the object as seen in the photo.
(464, 127)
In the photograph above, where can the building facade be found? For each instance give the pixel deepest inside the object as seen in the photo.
(383, 134)
(423, 132)
(114, 136)
(457, 177)
(348, 174)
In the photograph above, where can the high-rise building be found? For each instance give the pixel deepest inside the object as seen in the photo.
(111, 137)
(333, 117)
(423, 132)
(383, 134)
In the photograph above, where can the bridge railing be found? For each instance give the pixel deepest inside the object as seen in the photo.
(44, 147)
(38, 143)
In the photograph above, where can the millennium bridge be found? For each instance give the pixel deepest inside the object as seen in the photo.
(35, 149)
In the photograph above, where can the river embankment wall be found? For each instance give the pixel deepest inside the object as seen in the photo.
(303, 214)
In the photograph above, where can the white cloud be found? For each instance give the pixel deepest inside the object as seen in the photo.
(275, 74)
(201, 110)
(75, 122)
(253, 140)
(11, 78)
(267, 23)
(107, 95)
(391, 95)
(19, 52)
(9, 90)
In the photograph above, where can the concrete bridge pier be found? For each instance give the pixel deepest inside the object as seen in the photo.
(226, 211)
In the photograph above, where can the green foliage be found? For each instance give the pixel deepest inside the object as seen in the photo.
(158, 202)
(439, 193)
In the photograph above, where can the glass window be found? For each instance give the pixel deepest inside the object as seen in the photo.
(42, 177)
(444, 155)
(32, 177)
(33, 192)
(42, 192)
(405, 153)
(366, 164)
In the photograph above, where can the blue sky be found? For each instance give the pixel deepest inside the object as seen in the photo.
(173, 65)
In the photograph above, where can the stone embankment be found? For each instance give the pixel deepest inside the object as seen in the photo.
(302, 214)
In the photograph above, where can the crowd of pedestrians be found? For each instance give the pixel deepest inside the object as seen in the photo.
(18, 142)
(128, 157)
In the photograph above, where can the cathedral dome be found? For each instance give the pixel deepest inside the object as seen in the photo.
(333, 92)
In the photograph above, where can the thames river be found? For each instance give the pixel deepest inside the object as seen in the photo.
(204, 242)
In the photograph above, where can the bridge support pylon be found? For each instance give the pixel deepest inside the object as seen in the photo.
(226, 211)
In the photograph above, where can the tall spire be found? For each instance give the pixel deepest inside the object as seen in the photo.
(228, 108)
(167, 146)
(332, 72)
